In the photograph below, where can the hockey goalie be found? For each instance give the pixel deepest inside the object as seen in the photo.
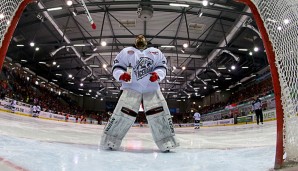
(140, 69)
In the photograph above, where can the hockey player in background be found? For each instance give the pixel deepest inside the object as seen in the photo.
(140, 69)
(197, 117)
(34, 111)
(38, 109)
(13, 105)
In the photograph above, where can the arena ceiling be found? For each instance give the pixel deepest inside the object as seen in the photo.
(218, 35)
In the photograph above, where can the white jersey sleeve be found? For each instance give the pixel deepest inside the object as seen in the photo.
(120, 65)
(161, 66)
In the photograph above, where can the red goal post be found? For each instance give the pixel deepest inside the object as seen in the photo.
(277, 22)
(10, 13)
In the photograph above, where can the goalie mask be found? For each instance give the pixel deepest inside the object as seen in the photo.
(141, 42)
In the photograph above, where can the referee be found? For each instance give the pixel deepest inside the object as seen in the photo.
(257, 107)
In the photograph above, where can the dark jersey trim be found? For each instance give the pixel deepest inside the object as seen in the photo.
(163, 67)
(160, 67)
(120, 67)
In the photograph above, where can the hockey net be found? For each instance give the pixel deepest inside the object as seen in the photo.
(10, 12)
(277, 21)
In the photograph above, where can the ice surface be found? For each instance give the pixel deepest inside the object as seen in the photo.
(34, 144)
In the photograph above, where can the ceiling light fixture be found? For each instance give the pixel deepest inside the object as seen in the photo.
(205, 3)
(200, 13)
(167, 46)
(74, 13)
(94, 66)
(103, 43)
(78, 45)
(54, 9)
(32, 44)
(69, 2)
(221, 68)
(179, 5)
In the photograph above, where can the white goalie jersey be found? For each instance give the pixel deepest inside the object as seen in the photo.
(143, 63)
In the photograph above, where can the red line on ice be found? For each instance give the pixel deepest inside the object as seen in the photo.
(10, 164)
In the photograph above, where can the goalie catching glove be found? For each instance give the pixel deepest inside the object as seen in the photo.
(154, 77)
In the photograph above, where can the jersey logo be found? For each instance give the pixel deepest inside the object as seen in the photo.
(144, 67)
(130, 52)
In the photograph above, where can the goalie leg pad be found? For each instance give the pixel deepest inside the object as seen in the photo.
(115, 130)
(160, 121)
(122, 119)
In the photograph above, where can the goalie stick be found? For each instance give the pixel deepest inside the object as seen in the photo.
(88, 15)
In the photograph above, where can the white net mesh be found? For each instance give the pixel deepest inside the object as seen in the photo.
(280, 18)
(7, 11)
